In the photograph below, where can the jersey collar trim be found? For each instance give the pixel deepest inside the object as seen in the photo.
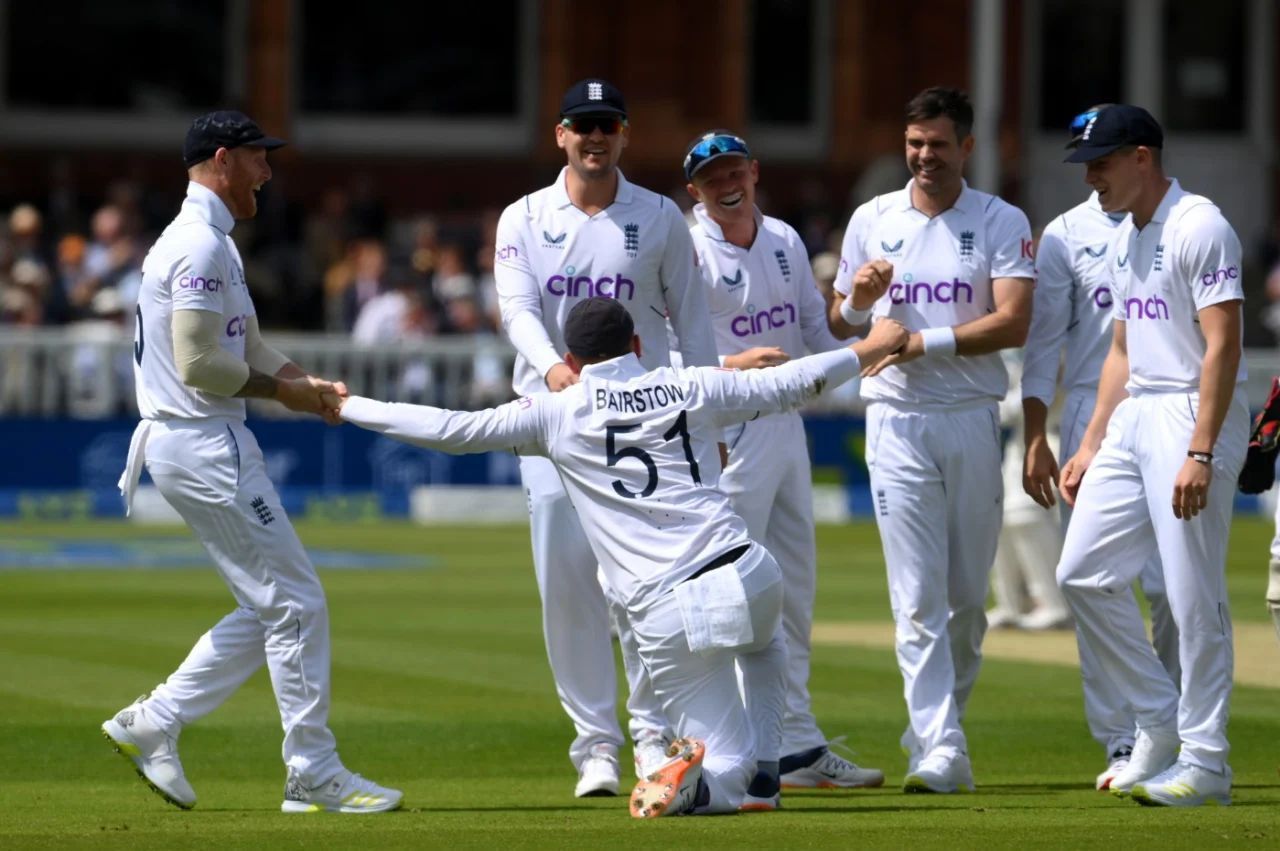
(967, 202)
(712, 228)
(623, 366)
(560, 196)
(1171, 196)
(206, 204)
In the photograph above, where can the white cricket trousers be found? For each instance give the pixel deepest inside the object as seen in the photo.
(1273, 584)
(211, 471)
(1108, 714)
(699, 691)
(770, 482)
(1124, 514)
(1029, 543)
(937, 492)
(575, 619)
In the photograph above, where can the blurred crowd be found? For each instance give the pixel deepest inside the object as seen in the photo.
(344, 266)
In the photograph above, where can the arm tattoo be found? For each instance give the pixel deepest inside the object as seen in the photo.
(259, 386)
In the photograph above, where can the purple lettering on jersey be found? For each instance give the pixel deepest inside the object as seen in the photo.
(752, 322)
(1151, 308)
(236, 326)
(506, 252)
(195, 282)
(1216, 277)
(1102, 297)
(922, 292)
(584, 286)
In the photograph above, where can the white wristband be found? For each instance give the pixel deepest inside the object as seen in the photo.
(852, 315)
(939, 342)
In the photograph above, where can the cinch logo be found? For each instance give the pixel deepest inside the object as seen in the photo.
(1151, 308)
(192, 282)
(506, 252)
(1230, 273)
(754, 323)
(922, 292)
(585, 286)
(1102, 297)
(236, 326)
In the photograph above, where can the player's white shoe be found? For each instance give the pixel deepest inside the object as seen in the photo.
(1184, 785)
(598, 774)
(672, 789)
(650, 752)
(764, 795)
(1043, 618)
(1117, 762)
(346, 792)
(1000, 618)
(942, 771)
(828, 770)
(153, 752)
(1153, 751)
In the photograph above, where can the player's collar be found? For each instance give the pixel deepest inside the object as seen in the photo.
(560, 196)
(1171, 197)
(208, 206)
(621, 367)
(966, 201)
(712, 228)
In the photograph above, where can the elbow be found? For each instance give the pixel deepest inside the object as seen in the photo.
(1018, 329)
(188, 372)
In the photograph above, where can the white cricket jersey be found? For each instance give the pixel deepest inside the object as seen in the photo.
(1071, 315)
(942, 272)
(551, 255)
(764, 295)
(1185, 259)
(194, 265)
(636, 450)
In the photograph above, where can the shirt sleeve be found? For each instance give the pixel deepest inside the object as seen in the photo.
(1117, 279)
(736, 396)
(1010, 243)
(1211, 257)
(200, 278)
(516, 425)
(686, 295)
(813, 313)
(1050, 314)
(853, 249)
(519, 294)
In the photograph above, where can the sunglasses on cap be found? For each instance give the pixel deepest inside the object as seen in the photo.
(711, 147)
(1081, 122)
(585, 125)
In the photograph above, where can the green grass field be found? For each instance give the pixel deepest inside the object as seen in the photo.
(440, 687)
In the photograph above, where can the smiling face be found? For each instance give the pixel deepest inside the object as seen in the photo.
(1117, 178)
(244, 170)
(936, 156)
(727, 186)
(593, 154)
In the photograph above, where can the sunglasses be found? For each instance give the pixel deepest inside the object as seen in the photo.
(1081, 122)
(585, 125)
(711, 147)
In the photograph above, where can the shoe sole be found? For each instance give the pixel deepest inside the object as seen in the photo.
(758, 807)
(653, 795)
(1145, 798)
(304, 807)
(827, 784)
(602, 792)
(132, 754)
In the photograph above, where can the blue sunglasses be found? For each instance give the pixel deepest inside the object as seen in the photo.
(710, 148)
(1081, 122)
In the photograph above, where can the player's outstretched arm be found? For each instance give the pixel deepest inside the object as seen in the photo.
(515, 425)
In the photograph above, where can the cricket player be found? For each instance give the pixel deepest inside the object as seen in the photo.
(1157, 465)
(198, 354)
(636, 449)
(766, 309)
(954, 265)
(1071, 322)
(591, 233)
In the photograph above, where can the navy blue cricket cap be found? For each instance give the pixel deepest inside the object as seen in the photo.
(225, 128)
(599, 327)
(1112, 128)
(592, 96)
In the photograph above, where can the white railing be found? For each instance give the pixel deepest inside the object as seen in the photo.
(87, 371)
